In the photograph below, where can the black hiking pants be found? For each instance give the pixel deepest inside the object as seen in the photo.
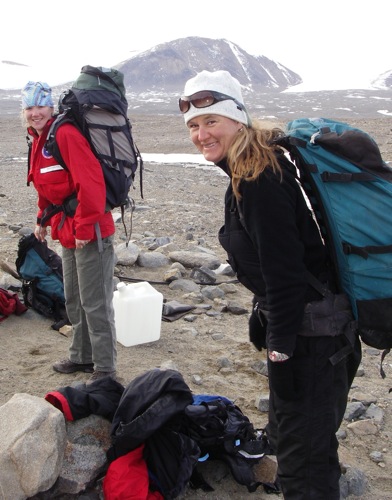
(308, 398)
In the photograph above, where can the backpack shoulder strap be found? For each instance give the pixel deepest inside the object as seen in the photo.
(29, 146)
(51, 144)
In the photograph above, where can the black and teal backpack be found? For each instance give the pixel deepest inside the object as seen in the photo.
(41, 271)
(349, 187)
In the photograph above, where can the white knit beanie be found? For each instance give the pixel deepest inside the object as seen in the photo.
(219, 81)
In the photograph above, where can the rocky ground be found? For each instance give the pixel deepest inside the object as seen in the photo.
(211, 350)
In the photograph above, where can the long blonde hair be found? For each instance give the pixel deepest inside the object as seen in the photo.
(251, 153)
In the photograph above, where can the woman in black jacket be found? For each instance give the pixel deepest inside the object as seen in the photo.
(274, 245)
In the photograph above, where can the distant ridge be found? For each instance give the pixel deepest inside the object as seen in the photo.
(384, 81)
(167, 66)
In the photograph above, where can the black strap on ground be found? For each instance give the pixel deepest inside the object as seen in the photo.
(138, 280)
(384, 353)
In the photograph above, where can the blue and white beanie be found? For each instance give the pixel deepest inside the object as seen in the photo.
(37, 94)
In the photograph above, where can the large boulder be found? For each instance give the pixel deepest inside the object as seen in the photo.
(32, 443)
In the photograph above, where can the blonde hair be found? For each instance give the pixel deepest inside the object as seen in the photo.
(252, 151)
(23, 119)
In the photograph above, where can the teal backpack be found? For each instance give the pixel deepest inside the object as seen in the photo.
(349, 187)
(41, 271)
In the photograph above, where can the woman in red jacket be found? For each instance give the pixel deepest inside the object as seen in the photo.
(88, 266)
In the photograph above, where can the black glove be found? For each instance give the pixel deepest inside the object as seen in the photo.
(258, 328)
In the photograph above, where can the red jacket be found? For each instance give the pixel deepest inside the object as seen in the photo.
(54, 184)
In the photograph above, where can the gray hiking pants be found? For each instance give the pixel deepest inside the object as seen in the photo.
(88, 287)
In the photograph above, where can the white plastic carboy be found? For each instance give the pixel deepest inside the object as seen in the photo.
(137, 313)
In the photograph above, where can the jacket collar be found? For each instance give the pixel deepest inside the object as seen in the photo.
(224, 166)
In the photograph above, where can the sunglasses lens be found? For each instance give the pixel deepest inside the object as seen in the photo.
(184, 105)
(203, 101)
(199, 100)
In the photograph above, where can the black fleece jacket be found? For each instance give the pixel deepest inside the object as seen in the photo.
(281, 242)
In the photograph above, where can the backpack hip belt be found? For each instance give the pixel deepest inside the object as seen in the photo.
(68, 207)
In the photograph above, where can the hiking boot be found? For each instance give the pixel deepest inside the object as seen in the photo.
(254, 448)
(97, 375)
(68, 366)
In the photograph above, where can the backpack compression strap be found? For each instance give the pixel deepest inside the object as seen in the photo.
(29, 145)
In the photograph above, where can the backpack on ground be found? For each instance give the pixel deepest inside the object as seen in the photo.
(349, 187)
(96, 104)
(41, 271)
(217, 425)
(223, 432)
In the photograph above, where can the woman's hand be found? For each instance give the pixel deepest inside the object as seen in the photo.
(40, 233)
(81, 243)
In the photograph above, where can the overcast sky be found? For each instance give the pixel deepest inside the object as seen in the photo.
(334, 44)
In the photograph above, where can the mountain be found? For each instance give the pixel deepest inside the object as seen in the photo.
(155, 79)
(166, 67)
(384, 81)
(169, 65)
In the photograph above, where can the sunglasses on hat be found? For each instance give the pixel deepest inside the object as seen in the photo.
(204, 99)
